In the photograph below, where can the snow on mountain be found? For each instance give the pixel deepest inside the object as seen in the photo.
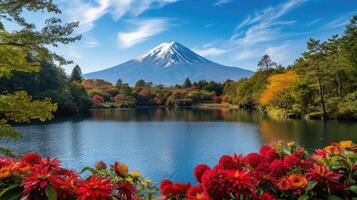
(169, 64)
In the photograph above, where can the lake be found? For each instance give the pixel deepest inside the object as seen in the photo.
(169, 143)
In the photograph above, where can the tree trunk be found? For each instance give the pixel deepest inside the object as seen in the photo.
(322, 98)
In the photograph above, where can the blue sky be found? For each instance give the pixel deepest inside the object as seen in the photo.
(230, 32)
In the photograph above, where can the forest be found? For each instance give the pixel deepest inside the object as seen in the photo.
(322, 83)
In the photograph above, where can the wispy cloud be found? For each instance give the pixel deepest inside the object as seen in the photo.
(144, 30)
(340, 21)
(254, 36)
(313, 22)
(90, 42)
(210, 52)
(87, 13)
(221, 2)
(209, 25)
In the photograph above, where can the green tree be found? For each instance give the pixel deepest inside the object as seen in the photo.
(22, 50)
(313, 57)
(187, 83)
(266, 64)
(140, 83)
(76, 74)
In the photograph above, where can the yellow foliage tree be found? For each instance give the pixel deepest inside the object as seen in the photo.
(278, 83)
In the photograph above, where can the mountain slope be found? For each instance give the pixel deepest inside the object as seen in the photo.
(169, 64)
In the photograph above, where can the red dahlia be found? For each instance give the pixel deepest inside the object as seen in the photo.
(38, 179)
(254, 159)
(200, 170)
(195, 193)
(268, 153)
(231, 162)
(267, 196)
(213, 183)
(31, 159)
(65, 186)
(94, 188)
(165, 183)
(175, 190)
(323, 175)
(278, 169)
(292, 161)
(126, 190)
(239, 183)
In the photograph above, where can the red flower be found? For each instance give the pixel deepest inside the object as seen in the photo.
(292, 161)
(239, 183)
(213, 182)
(174, 190)
(4, 161)
(126, 190)
(267, 196)
(66, 184)
(323, 175)
(165, 183)
(262, 174)
(268, 153)
(231, 162)
(38, 179)
(320, 153)
(31, 159)
(195, 193)
(254, 159)
(200, 170)
(221, 184)
(94, 188)
(278, 168)
(100, 165)
(283, 184)
(51, 163)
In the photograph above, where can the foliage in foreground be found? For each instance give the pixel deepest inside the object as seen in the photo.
(277, 171)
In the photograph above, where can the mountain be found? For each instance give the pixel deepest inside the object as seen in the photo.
(170, 64)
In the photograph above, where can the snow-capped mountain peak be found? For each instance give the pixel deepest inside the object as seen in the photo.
(170, 53)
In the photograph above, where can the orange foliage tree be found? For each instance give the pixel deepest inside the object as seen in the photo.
(278, 83)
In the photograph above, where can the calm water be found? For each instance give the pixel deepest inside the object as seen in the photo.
(164, 143)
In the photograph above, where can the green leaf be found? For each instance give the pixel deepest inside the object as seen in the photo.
(333, 197)
(90, 169)
(353, 188)
(51, 193)
(13, 192)
(310, 186)
(304, 197)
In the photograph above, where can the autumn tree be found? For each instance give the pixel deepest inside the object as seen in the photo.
(277, 85)
(21, 50)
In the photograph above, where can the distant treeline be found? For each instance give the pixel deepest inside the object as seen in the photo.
(105, 94)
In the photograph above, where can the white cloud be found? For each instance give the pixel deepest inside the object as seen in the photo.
(90, 42)
(247, 54)
(144, 30)
(87, 13)
(221, 2)
(280, 53)
(210, 52)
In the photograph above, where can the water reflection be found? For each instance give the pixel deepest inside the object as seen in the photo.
(168, 143)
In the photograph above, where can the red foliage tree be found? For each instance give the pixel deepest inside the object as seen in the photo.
(97, 99)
